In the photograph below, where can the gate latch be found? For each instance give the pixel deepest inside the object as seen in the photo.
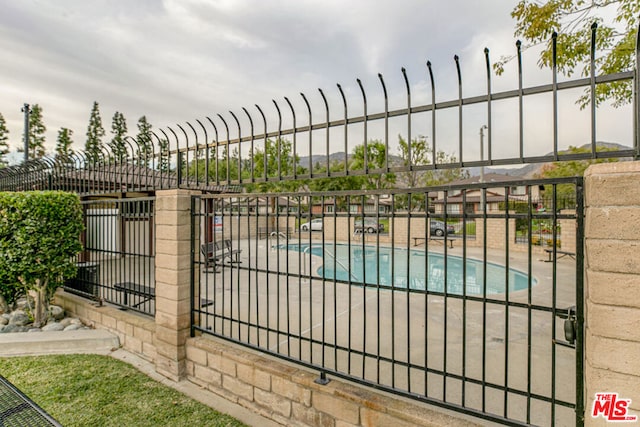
(569, 316)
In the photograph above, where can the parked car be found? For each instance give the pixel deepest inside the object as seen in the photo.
(438, 228)
(313, 225)
(369, 226)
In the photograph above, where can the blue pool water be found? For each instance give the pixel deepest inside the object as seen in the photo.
(402, 268)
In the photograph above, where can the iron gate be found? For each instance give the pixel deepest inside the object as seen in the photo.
(485, 318)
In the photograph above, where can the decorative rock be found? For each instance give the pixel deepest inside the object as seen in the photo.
(6, 316)
(65, 322)
(19, 318)
(56, 312)
(73, 327)
(8, 328)
(3, 321)
(76, 321)
(25, 302)
(55, 326)
(35, 330)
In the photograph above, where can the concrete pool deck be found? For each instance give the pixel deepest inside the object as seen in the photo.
(487, 342)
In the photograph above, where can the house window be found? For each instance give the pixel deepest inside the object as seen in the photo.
(519, 190)
(453, 208)
(328, 208)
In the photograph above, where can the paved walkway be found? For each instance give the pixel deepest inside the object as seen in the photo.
(100, 341)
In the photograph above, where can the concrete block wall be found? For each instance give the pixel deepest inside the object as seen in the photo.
(135, 331)
(612, 286)
(288, 395)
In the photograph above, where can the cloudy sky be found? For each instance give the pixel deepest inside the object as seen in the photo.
(180, 60)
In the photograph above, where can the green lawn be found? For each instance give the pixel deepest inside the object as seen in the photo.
(91, 390)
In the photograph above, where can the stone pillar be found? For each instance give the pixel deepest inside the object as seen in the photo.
(173, 280)
(612, 289)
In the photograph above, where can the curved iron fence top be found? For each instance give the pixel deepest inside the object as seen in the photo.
(198, 156)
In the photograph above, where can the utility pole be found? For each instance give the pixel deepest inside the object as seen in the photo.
(26, 110)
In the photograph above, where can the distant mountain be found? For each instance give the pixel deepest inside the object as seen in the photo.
(525, 171)
(532, 169)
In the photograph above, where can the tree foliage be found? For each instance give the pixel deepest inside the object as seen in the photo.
(572, 20)
(145, 145)
(4, 142)
(119, 132)
(568, 169)
(63, 145)
(95, 133)
(39, 238)
(276, 159)
(376, 158)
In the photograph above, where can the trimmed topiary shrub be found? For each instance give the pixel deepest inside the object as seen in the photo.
(39, 239)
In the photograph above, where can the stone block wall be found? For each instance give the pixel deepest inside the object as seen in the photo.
(135, 331)
(612, 286)
(288, 395)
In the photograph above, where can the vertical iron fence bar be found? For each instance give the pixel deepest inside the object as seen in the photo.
(393, 292)
(506, 305)
(186, 153)
(580, 303)
(433, 115)
(529, 299)
(386, 122)
(206, 153)
(554, 280)
(456, 58)
(297, 228)
(266, 143)
(427, 279)
(278, 143)
(326, 109)
(636, 101)
(268, 267)
(194, 249)
(406, 82)
(252, 147)
(445, 301)
(324, 284)
(287, 268)
(215, 130)
(195, 156)
(310, 134)
(346, 137)
(520, 101)
(257, 270)
(408, 292)
(488, 64)
(295, 146)
(278, 272)
(178, 159)
(378, 338)
(350, 297)
(366, 151)
(239, 176)
(335, 286)
(592, 87)
(227, 149)
(554, 70)
(249, 235)
(464, 292)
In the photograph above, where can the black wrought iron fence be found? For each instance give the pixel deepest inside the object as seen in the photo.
(471, 324)
(337, 135)
(118, 261)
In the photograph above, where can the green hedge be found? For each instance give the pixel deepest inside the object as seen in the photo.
(39, 238)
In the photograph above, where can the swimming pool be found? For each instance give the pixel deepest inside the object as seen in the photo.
(402, 268)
